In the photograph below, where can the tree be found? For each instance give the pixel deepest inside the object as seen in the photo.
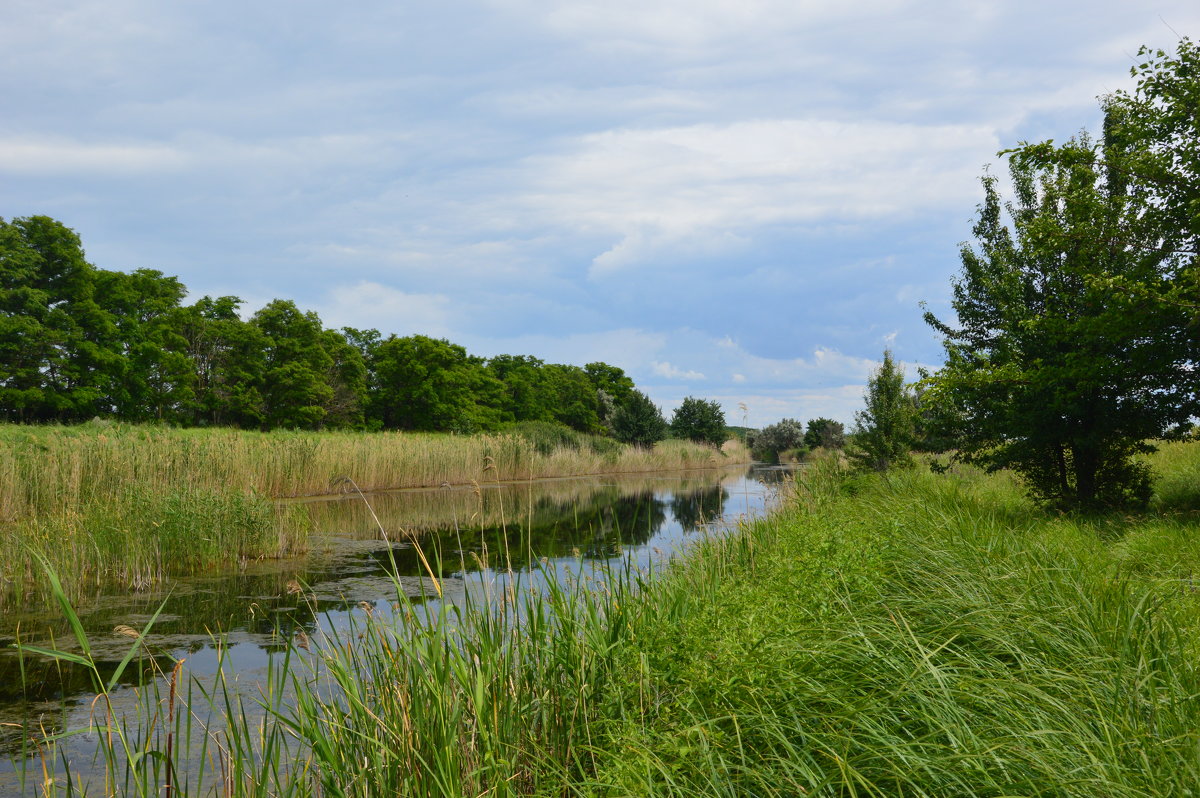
(767, 443)
(59, 353)
(1159, 132)
(525, 396)
(433, 385)
(295, 389)
(612, 380)
(573, 398)
(155, 376)
(699, 420)
(883, 430)
(228, 362)
(639, 421)
(1053, 373)
(825, 433)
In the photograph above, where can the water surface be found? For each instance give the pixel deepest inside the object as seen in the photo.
(474, 539)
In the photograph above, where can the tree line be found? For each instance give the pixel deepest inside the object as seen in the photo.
(1076, 341)
(77, 342)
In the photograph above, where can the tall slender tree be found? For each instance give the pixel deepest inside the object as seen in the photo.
(884, 429)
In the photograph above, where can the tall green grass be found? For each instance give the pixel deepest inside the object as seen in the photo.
(108, 502)
(923, 635)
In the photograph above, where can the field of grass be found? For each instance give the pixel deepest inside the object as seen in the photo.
(124, 503)
(920, 634)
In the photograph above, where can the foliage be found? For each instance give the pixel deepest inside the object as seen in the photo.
(1051, 372)
(77, 342)
(884, 429)
(1159, 131)
(58, 351)
(431, 384)
(699, 420)
(639, 421)
(767, 443)
(825, 433)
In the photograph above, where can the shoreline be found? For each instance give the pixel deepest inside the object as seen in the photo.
(129, 504)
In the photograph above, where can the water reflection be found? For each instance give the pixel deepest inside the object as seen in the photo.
(469, 535)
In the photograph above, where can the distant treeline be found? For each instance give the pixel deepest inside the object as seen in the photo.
(77, 342)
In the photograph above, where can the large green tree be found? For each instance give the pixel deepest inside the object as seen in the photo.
(228, 357)
(700, 420)
(155, 379)
(433, 385)
(59, 349)
(1052, 372)
(639, 421)
(525, 395)
(825, 433)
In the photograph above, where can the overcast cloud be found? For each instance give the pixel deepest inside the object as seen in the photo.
(743, 200)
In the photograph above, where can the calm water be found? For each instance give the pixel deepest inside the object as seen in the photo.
(474, 538)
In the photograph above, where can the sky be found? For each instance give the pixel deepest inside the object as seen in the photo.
(739, 200)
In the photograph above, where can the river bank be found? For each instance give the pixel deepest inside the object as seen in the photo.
(924, 634)
(130, 504)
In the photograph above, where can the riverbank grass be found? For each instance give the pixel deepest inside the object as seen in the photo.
(110, 503)
(920, 634)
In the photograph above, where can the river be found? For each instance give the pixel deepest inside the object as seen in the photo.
(474, 538)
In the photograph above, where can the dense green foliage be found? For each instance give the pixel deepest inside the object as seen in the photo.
(768, 442)
(78, 342)
(795, 438)
(825, 433)
(699, 420)
(884, 430)
(639, 421)
(1077, 338)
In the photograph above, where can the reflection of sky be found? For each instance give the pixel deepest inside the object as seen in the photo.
(258, 616)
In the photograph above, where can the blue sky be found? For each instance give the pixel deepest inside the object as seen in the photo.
(743, 201)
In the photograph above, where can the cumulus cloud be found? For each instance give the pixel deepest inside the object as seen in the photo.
(664, 369)
(367, 304)
(63, 156)
(703, 186)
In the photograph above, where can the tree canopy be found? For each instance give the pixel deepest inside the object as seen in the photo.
(699, 420)
(77, 342)
(639, 421)
(1077, 309)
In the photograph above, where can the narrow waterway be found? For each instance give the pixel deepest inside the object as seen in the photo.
(473, 538)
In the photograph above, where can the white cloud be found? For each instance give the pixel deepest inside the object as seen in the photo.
(61, 156)
(625, 348)
(664, 369)
(367, 304)
(691, 26)
(703, 187)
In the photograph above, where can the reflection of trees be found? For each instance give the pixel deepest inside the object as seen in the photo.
(458, 530)
(771, 475)
(699, 507)
(595, 529)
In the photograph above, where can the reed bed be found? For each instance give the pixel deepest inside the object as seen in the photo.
(109, 502)
(922, 635)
